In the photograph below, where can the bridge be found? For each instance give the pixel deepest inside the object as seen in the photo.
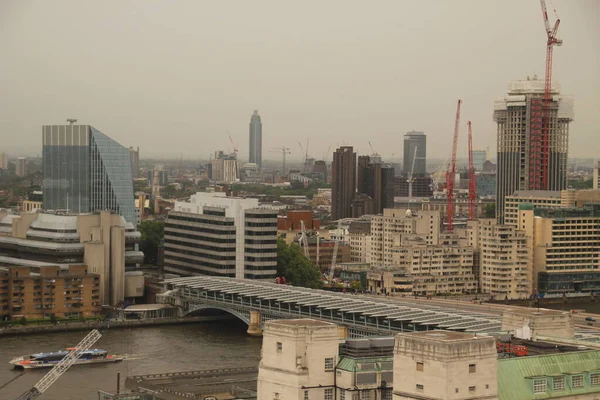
(255, 302)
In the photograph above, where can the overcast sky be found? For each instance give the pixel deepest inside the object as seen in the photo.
(173, 77)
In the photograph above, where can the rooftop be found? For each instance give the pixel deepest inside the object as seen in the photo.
(554, 194)
(301, 322)
(441, 336)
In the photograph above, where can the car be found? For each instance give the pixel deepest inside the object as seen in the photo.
(590, 319)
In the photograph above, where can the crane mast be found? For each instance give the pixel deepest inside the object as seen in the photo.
(412, 170)
(452, 172)
(335, 251)
(472, 179)
(304, 239)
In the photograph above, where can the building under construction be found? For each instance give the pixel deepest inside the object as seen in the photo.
(519, 116)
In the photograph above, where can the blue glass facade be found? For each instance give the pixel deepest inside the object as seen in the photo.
(86, 171)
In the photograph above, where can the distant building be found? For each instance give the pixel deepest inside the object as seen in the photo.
(596, 181)
(320, 167)
(479, 157)
(343, 182)
(85, 171)
(255, 148)
(3, 161)
(422, 186)
(292, 221)
(250, 173)
(134, 159)
(212, 234)
(418, 140)
(163, 176)
(29, 206)
(522, 164)
(224, 168)
(21, 167)
(377, 181)
(486, 184)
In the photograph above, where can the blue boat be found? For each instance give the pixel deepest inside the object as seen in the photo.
(47, 360)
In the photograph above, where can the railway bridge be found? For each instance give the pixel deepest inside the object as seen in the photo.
(255, 302)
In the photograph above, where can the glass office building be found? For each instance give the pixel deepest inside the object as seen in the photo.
(86, 171)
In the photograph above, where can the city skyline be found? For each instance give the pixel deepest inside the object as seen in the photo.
(270, 66)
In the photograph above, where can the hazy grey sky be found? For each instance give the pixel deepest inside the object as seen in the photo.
(174, 76)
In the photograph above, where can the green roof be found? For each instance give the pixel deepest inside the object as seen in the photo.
(515, 374)
(358, 364)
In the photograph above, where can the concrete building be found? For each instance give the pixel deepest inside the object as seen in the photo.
(251, 173)
(105, 242)
(212, 234)
(566, 248)
(377, 181)
(422, 186)
(134, 160)
(359, 234)
(63, 291)
(596, 176)
(521, 165)
(445, 365)
(343, 182)
(29, 205)
(86, 171)
(3, 161)
(479, 157)
(568, 198)
(411, 140)
(224, 168)
(505, 258)
(162, 176)
(21, 167)
(320, 167)
(255, 146)
(486, 184)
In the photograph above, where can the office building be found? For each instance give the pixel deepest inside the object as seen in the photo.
(134, 159)
(377, 181)
(212, 234)
(86, 171)
(414, 140)
(21, 167)
(596, 177)
(505, 259)
(250, 173)
(3, 161)
(479, 157)
(521, 164)
(68, 291)
(163, 176)
(343, 182)
(566, 247)
(103, 241)
(255, 148)
(422, 186)
(486, 184)
(224, 168)
(320, 167)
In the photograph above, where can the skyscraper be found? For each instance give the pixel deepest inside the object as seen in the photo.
(518, 115)
(419, 140)
(255, 155)
(343, 182)
(134, 158)
(21, 167)
(86, 171)
(377, 181)
(3, 161)
(479, 157)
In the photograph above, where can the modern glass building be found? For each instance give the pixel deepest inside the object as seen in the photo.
(414, 140)
(86, 171)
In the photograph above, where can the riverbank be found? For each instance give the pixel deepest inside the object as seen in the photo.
(116, 324)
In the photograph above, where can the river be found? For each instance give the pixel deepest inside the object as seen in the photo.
(149, 350)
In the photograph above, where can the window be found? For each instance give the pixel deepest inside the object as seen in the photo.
(306, 395)
(388, 394)
(279, 346)
(472, 368)
(539, 386)
(328, 394)
(558, 383)
(487, 386)
(420, 387)
(365, 395)
(342, 394)
(419, 366)
(456, 390)
(595, 379)
(577, 381)
(329, 364)
(471, 388)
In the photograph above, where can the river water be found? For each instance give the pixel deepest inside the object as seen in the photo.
(200, 346)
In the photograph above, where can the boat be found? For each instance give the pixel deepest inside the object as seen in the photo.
(48, 360)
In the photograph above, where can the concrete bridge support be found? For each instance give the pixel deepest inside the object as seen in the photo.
(255, 325)
(343, 332)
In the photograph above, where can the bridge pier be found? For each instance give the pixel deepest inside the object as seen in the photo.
(343, 332)
(254, 327)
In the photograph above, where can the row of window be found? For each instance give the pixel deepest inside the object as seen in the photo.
(559, 383)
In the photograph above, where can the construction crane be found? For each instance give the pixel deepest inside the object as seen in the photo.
(450, 174)
(304, 239)
(411, 179)
(472, 179)
(63, 365)
(335, 251)
(235, 149)
(284, 151)
(551, 41)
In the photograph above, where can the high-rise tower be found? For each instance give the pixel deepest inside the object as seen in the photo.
(343, 182)
(255, 148)
(412, 140)
(516, 114)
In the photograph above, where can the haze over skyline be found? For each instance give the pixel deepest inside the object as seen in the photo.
(175, 77)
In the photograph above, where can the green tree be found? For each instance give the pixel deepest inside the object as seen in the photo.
(295, 267)
(153, 233)
(580, 184)
(489, 211)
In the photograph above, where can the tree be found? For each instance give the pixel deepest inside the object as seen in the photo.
(153, 233)
(295, 267)
(580, 184)
(489, 211)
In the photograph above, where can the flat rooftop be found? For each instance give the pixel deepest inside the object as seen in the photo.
(441, 336)
(300, 322)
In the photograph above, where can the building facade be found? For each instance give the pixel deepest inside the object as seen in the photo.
(21, 167)
(377, 181)
(86, 171)
(343, 182)
(221, 236)
(422, 186)
(521, 165)
(4, 161)
(414, 140)
(596, 176)
(255, 154)
(479, 157)
(134, 160)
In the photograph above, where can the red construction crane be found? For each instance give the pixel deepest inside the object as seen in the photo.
(452, 172)
(235, 149)
(539, 150)
(472, 179)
